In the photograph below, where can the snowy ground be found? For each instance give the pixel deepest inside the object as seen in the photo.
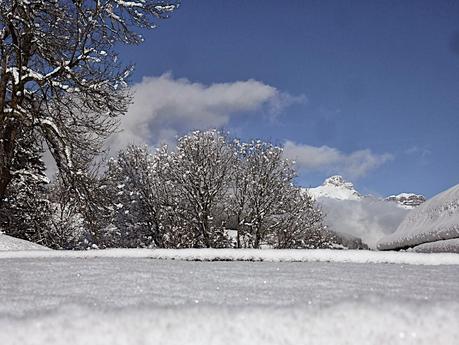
(12, 243)
(138, 300)
(271, 255)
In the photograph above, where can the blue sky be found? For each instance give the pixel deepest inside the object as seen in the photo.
(367, 89)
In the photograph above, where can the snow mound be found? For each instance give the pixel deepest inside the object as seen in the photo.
(335, 187)
(270, 255)
(435, 220)
(346, 323)
(11, 243)
(445, 246)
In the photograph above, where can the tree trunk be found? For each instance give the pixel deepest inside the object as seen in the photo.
(257, 238)
(7, 142)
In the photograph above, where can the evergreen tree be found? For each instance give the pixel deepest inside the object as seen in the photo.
(25, 209)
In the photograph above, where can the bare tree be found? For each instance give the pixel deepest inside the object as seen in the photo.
(66, 228)
(300, 224)
(199, 171)
(267, 183)
(132, 189)
(60, 75)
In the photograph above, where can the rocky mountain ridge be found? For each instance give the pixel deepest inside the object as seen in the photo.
(336, 187)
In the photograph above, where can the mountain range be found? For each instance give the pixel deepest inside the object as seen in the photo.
(336, 187)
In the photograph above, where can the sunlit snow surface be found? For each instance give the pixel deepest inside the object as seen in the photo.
(138, 300)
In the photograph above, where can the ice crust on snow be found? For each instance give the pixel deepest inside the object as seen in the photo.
(435, 220)
(8, 243)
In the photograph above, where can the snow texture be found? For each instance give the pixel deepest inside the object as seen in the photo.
(444, 246)
(8, 243)
(270, 255)
(436, 219)
(143, 301)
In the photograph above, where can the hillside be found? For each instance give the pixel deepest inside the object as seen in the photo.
(435, 220)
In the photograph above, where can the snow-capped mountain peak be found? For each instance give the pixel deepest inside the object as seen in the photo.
(338, 181)
(335, 187)
(407, 200)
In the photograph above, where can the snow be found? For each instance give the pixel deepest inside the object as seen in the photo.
(444, 246)
(407, 200)
(8, 243)
(269, 255)
(383, 324)
(335, 187)
(113, 300)
(436, 219)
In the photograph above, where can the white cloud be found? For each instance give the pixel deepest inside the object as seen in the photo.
(332, 160)
(369, 219)
(164, 107)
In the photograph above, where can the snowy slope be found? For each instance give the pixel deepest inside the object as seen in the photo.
(443, 246)
(12, 243)
(436, 219)
(335, 187)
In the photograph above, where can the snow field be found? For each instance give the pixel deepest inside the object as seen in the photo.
(271, 255)
(346, 323)
(137, 300)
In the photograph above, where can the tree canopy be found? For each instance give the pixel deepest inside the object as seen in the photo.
(60, 75)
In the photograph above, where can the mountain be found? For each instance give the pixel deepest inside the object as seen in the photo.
(407, 200)
(435, 222)
(335, 187)
(366, 217)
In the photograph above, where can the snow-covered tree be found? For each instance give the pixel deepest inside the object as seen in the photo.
(131, 185)
(59, 74)
(261, 185)
(300, 224)
(25, 208)
(192, 196)
(199, 172)
(66, 224)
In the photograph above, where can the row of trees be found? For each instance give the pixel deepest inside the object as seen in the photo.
(62, 87)
(210, 191)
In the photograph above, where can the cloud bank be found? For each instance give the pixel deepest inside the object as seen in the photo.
(164, 107)
(369, 218)
(333, 161)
